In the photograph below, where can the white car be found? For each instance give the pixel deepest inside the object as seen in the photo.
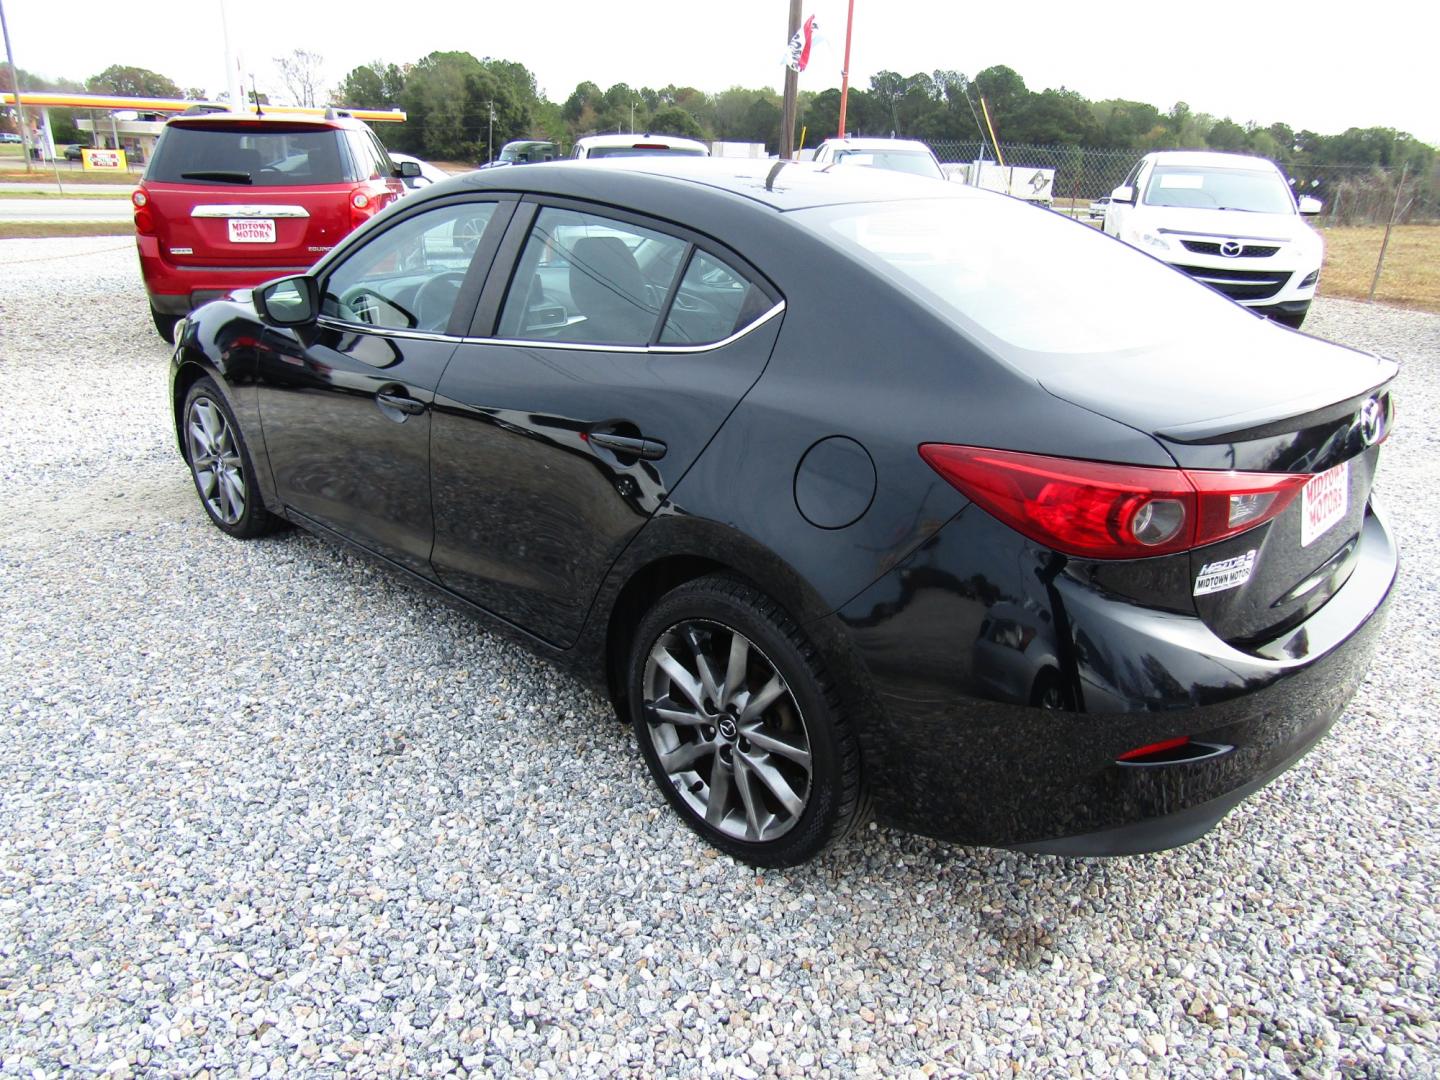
(429, 174)
(598, 146)
(1228, 220)
(901, 155)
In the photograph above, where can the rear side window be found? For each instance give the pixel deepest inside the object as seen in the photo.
(372, 162)
(253, 155)
(590, 279)
(713, 301)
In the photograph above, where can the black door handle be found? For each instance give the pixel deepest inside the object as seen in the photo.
(628, 446)
(400, 403)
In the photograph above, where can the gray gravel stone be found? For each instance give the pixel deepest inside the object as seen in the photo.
(267, 811)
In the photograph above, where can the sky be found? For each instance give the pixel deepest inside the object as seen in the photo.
(1323, 66)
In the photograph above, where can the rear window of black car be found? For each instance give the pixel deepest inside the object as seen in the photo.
(254, 156)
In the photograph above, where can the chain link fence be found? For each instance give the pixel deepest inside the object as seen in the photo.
(1352, 194)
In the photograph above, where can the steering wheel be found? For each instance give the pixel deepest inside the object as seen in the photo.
(435, 300)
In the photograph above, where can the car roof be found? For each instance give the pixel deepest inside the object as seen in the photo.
(640, 137)
(877, 144)
(780, 185)
(1210, 158)
(242, 119)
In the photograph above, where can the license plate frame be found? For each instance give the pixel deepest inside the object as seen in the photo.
(251, 230)
(1324, 502)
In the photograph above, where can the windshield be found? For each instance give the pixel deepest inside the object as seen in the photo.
(644, 151)
(250, 155)
(1259, 191)
(1006, 272)
(909, 161)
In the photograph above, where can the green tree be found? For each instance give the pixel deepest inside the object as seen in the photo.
(376, 85)
(1005, 96)
(130, 81)
(673, 120)
(1226, 135)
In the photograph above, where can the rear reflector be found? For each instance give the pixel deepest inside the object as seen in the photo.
(1098, 510)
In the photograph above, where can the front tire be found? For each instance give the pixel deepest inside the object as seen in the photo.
(221, 466)
(740, 726)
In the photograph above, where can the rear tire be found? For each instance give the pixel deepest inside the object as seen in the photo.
(221, 466)
(164, 324)
(740, 726)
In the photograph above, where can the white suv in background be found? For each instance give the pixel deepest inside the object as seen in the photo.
(598, 146)
(1228, 220)
(900, 155)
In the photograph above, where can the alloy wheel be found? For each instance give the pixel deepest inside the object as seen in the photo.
(727, 731)
(215, 460)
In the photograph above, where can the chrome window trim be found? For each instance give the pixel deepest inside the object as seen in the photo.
(540, 343)
(387, 331)
(249, 210)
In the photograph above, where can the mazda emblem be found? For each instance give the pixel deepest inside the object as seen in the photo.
(1372, 417)
(1231, 248)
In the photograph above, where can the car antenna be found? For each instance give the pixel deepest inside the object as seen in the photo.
(255, 94)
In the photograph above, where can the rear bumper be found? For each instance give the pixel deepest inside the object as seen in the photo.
(947, 759)
(179, 290)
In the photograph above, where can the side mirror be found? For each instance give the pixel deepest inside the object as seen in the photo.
(1309, 205)
(292, 301)
(408, 169)
(1123, 194)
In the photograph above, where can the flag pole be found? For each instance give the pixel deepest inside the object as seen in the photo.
(845, 71)
(792, 90)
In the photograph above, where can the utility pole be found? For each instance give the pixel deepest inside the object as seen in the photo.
(845, 71)
(15, 82)
(632, 117)
(490, 136)
(792, 89)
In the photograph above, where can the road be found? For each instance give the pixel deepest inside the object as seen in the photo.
(12, 210)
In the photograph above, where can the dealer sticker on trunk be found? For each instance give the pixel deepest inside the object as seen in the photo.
(1324, 501)
(1226, 574)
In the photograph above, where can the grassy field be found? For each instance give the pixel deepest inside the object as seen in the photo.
(34, 230)
(1411, 277)
(66, 194)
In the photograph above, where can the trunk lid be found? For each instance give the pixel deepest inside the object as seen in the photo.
(1295, 406)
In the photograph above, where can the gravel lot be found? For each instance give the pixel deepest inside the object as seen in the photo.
(267, 811)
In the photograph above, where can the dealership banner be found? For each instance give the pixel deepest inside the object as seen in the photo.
(104, 160)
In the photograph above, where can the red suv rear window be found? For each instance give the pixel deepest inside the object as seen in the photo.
(257, 155)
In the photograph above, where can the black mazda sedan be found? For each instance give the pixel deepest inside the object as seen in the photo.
(854, 490)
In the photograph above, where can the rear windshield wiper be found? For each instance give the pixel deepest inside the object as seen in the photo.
(234, 176)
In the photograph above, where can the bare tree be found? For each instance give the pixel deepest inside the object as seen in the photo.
(302, 75)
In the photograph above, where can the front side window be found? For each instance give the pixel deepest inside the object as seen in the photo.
(1258, 191)
(409, 277)
(590, 279)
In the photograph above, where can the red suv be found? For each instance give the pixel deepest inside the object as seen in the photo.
(230, 200)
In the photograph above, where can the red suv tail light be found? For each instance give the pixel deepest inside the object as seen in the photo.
(1097, 510)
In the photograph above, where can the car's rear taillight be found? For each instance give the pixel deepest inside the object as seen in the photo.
(1099, 510)
(362, 207)
(139, 198)
(144, 221)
